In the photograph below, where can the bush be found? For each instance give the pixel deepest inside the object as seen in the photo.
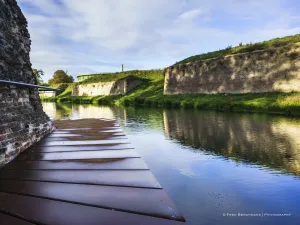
(186, 105)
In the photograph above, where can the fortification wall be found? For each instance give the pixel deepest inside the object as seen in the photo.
(22, 120)
(119, 87)
(276, 69)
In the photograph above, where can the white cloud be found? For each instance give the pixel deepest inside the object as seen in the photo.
(192, 14)
(99, 35)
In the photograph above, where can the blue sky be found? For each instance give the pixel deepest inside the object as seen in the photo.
(93, 36)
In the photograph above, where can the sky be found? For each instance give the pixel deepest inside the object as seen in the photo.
(94, 36)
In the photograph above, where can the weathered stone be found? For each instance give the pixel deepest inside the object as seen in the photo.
(276, 69)
(119, 87)
(20, 108)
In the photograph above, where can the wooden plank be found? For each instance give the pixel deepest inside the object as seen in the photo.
(79, 148)
(84, 123)
(83, 138)
(144, 201)
(126, 178)
(50, 212)
(113, 128)
(66, 134)
(60, 143)
(128, 153)
(10, 220)
(82, 134)
(109, 164)
(84, 173)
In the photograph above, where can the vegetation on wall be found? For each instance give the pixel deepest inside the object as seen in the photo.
(107, 77)
(150, 94)
(277, 42)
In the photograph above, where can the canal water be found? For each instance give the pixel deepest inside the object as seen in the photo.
(214, 166)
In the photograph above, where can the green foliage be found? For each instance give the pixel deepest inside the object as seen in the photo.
(61, 86)
(277, 42)
(38, 75)
(107, 77)
(150, 94)
(61, 76)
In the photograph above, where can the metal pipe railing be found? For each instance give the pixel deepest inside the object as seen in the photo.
(27, 85)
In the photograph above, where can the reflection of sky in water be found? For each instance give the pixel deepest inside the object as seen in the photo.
(205, 181)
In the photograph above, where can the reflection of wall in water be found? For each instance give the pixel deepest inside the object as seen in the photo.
(57, 111)
(92, 111)
(255, 138)
(50, 109)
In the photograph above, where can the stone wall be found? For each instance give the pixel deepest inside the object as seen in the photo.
(276, 69)
(47, 94)
(22, 120)
(119, 87)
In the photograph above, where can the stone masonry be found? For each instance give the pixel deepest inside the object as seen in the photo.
(275, 69)
(118, 87)
(22, 119)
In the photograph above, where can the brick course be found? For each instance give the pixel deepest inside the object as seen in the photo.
(22, 120)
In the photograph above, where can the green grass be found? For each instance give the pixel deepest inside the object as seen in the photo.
(277, 42)
(143, 74)
(150, 94)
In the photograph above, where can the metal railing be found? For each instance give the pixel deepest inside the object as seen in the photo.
(41, 88)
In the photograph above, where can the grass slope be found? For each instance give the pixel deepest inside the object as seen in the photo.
(277, 42)
(150, 94)
(144, 74)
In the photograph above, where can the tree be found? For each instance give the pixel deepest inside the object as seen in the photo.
(61, 76)
(38, 75)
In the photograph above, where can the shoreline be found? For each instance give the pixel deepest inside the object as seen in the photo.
(278, 103)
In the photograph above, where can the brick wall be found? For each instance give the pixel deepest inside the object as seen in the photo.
(22, 120)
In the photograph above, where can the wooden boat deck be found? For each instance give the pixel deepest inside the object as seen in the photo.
(84, 173)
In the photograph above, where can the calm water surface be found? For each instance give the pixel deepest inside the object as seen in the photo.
(213, 163)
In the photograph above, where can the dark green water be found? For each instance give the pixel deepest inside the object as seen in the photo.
(213, 163)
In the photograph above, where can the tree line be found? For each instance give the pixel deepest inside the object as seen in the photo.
(60, 76)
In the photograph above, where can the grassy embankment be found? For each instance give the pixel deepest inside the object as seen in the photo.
(277, 42)
(150, 93)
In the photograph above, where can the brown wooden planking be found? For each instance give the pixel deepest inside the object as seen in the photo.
(94, 142)
(87, 135)
(109, 164)
(79, 148)
(9, 220)
(75, 133)
(50, 212)
(132, 178)
(86, 138)
(128, 153)
(93, 136)
(86, 132)
(83, 123)
(95, 174)
(143, 201)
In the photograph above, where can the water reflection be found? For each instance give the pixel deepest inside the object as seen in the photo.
(268, 141)
(251, 138)
(60, 111)
(213, 163)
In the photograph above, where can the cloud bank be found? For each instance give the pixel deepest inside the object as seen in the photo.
(98, 35)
